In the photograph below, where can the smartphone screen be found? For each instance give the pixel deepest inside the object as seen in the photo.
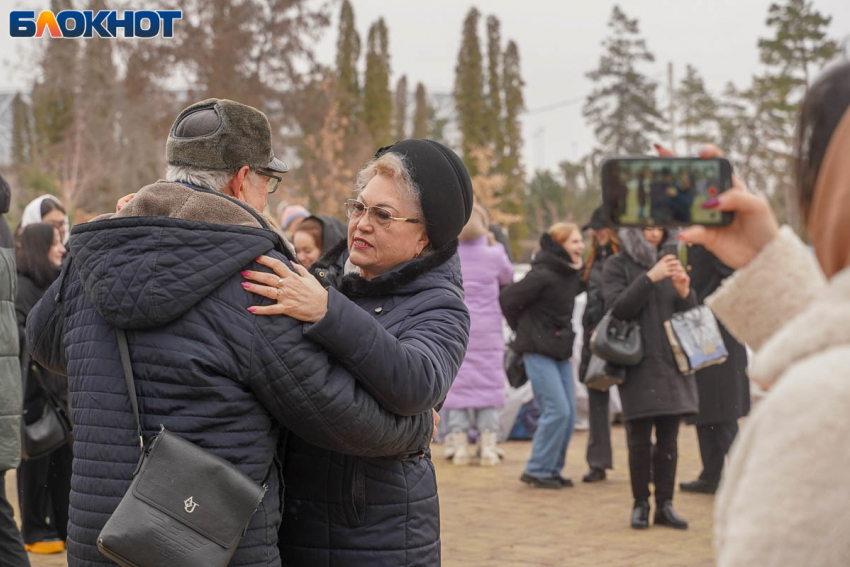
(654, 191)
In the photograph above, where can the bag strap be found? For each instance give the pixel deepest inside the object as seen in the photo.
(131, 385)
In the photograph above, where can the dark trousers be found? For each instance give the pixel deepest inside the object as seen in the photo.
(44, 488)
(639, 435)
(12, 553)
(599, 440)
(714, 443)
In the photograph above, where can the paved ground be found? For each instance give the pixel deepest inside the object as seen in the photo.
(490, 519)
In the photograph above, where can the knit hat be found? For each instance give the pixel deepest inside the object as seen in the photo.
(291, 213)
(217, 134)
(445, 187)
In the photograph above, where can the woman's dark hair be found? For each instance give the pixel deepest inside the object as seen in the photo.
(48, 205)
(36, 240)
(823, 106)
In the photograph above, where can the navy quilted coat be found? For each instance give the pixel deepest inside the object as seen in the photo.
(404, 336)
(205, 368)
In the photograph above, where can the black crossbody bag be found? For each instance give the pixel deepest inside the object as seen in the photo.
(185, 508)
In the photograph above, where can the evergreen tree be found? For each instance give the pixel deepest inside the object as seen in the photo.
(469, 90)
(377, 99)
(698, 111)
(21, 139)
(511, 163)
(514, 106)
(622, 108)
(421, 113)
(401, 108)
(798, 49)
(493, 130)
(347, 54)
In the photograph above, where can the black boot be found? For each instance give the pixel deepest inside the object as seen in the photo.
(640, 515)
(665, 515)
(699, 485)
(594, 475)
(541, 482)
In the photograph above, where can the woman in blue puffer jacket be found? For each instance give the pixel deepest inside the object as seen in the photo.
(386, 303)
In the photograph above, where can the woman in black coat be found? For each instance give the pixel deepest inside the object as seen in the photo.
(540, 309)
(724, 390)
(638, 286)
(388, 306)
(603, 245)
(44, 484)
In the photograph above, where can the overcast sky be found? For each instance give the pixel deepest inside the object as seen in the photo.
(559, 41)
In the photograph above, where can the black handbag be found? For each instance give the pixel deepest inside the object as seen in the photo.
(185, 508)
(514, 367)
(52, 430)
(617, 341)
(601, 374)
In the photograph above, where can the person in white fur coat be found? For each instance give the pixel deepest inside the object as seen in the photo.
(785, 496)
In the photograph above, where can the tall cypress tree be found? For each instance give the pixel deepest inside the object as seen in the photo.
(622, 108)
(347, 54)
(21, 139)
(514, 105)
(400, 121)
(377, 99)
(421, 113)
(493, 126)
(698, 110)
(469, 90)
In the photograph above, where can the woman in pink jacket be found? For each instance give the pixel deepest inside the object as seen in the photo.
(479, 388)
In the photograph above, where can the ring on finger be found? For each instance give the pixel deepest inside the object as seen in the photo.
(279, 283)
(279, 293)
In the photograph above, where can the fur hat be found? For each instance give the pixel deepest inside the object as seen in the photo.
(217, 134)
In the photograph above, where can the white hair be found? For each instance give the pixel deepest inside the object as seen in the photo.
(395, 167)
(215, 179)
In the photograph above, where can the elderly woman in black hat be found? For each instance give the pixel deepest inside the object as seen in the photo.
(387, 303)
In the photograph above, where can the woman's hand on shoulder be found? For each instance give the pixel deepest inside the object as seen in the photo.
(298, 294)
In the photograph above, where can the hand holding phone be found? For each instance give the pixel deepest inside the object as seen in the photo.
(667, 267)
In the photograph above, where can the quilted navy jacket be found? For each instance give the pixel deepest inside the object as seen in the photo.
(403, 335)
(205, 368)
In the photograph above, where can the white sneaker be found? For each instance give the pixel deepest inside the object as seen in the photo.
(489, 450)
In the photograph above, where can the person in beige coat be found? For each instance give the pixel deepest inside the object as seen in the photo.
(784, 498)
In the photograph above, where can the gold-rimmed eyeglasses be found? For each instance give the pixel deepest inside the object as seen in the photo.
(379, 216)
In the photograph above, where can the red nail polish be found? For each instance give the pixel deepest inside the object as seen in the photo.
(252, 309)
(246, 273)
(711, 203)
(246, 285)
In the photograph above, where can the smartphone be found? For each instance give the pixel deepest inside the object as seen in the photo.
(677, 249)
(661, 191)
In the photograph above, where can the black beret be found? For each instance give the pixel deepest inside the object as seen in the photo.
(445, 186)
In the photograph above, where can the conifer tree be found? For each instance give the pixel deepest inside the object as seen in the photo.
(347, 54)
(493, 128)
(21, 138)
(622, 109)
(514, 106)
(400, 121)
(421, 113)
(377, 99)
(698, 111)
(469, 90)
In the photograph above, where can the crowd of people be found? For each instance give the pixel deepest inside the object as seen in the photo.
(320, 356)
